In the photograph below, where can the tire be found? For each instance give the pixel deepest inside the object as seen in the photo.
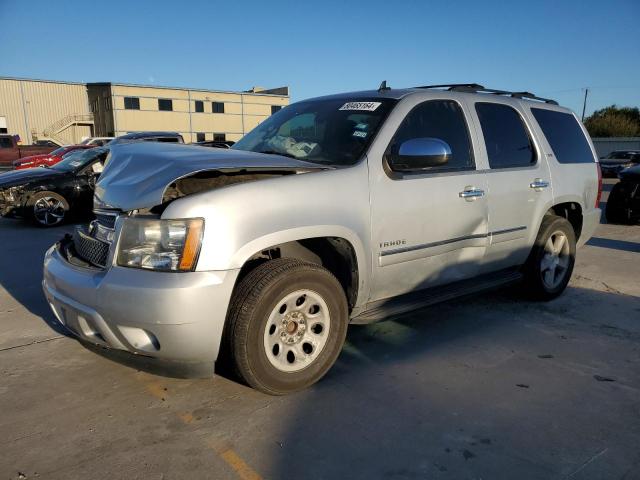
(266, 310)
(550, 264)
(48, 209)
(617, 209)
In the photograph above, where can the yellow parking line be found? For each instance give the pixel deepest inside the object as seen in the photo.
(186, 417)
(244, 471)
(230, 457)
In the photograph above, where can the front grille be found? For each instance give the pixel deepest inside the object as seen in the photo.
(106, 220)
(90, 249)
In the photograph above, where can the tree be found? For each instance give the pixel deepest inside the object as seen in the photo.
(614, 121)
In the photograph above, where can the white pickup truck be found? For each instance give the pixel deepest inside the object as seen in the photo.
(346, 208)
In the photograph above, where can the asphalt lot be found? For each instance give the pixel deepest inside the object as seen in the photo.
(488, 387)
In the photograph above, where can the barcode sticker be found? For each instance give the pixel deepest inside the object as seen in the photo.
(361, 106)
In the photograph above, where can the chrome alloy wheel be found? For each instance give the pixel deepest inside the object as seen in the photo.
(555, 262)
(297, 330)
(48, 211)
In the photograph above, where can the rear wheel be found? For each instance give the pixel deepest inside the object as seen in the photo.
(618, 209)
(286, 326)
(550, 263)
(48, 209)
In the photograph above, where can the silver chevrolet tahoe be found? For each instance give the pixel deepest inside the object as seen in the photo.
(340, 209)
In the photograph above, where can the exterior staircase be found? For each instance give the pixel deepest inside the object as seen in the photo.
(52, 132)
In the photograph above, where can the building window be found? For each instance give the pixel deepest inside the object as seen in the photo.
(200, 136)
(219, 137)
(131, 103)
(165, 105)
(199, 106)
(217, 107)
(275, 108)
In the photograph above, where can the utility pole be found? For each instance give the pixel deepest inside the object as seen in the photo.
(584, 105)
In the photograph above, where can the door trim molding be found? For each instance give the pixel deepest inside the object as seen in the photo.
(382, 261)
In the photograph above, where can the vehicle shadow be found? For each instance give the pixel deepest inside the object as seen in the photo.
(24, 246)
(493, 387)
(622, 245)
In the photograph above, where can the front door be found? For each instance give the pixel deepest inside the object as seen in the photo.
(428, 227)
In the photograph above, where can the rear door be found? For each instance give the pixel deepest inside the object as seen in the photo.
(519, 182)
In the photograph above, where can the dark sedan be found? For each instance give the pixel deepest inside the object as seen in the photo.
(49, 195)
(623, 205)
(617, 161)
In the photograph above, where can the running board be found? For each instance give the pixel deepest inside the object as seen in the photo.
(382, 309)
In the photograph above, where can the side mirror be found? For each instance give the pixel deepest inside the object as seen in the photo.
(420, 154)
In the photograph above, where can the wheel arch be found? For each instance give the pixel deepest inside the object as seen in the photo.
(340, 251)
(571, 211)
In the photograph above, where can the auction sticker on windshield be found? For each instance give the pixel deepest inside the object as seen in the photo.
(361, 106)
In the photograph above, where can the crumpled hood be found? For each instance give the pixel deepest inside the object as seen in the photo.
(137, 174)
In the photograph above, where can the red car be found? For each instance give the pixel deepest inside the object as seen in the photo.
(47, 159)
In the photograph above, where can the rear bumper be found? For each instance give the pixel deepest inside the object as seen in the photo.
(172, 316)
(590, 222)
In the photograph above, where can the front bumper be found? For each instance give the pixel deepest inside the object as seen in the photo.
(172, 316)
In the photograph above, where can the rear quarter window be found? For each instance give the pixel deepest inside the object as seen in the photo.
(565, 137)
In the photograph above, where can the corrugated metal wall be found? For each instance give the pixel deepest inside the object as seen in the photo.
(33, 105)
(604, 146)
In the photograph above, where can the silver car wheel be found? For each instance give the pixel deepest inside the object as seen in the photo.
(48, 211)
(297, 330)
(554, 264)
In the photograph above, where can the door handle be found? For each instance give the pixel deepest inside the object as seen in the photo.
(538, 184)
(471, 193)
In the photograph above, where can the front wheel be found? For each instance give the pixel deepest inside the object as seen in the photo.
(48, 209)
(550, 263)
(286, 325)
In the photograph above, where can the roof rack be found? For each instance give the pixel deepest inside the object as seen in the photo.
(476, 88)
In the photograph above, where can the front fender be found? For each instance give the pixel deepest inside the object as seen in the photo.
(244, 219)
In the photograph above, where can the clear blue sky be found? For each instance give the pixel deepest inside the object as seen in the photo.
(553, 48)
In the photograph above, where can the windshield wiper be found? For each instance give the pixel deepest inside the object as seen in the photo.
(273, 152)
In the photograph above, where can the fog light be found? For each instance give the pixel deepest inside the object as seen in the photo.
(140, 339)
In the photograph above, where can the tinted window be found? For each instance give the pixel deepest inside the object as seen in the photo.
(131, 103)
(199, 137)
(219, 137)
(275, 108)
(165, 105)
(217, 107)
(6, 143)
(508, 143)
(564, 135)
(199, 106)
(442, 119)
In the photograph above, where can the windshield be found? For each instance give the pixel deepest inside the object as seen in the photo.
(332, 131)
(78, 159)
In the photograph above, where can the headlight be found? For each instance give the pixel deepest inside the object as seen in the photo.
(167, 245)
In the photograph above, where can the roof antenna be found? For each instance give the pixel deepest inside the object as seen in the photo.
(383, 86)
